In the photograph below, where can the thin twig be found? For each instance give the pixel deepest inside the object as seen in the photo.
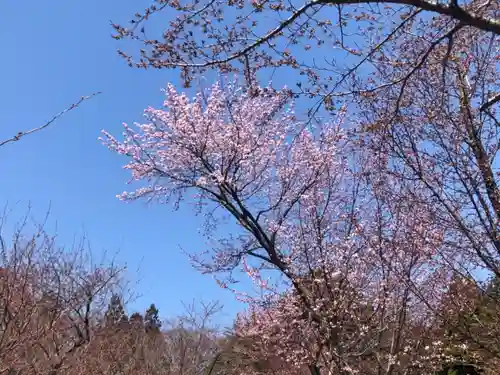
(21, 134)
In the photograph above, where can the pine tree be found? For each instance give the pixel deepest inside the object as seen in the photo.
(152, 321)
(116, 312)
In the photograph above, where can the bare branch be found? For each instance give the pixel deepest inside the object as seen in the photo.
(21, 134)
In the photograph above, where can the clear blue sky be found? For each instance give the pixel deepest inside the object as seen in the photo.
(52, 53)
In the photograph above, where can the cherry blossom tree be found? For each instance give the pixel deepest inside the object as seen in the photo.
(419, 78)
(355, 256)
(380, 310)
(441, 134)
(438, 128)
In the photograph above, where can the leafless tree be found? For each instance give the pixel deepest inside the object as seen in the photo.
(51, 300)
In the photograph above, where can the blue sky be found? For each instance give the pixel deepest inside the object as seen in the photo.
(53, 53)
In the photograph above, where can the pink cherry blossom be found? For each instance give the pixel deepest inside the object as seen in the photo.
(359, 262)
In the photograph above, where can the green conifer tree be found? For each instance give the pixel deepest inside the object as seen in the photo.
(116, 312)
(152, 321)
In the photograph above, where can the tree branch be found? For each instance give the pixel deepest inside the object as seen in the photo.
(21, 134)
(457, 13)
(490, 102)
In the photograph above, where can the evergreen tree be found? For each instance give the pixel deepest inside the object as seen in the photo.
(152, 321)
(116, 312)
